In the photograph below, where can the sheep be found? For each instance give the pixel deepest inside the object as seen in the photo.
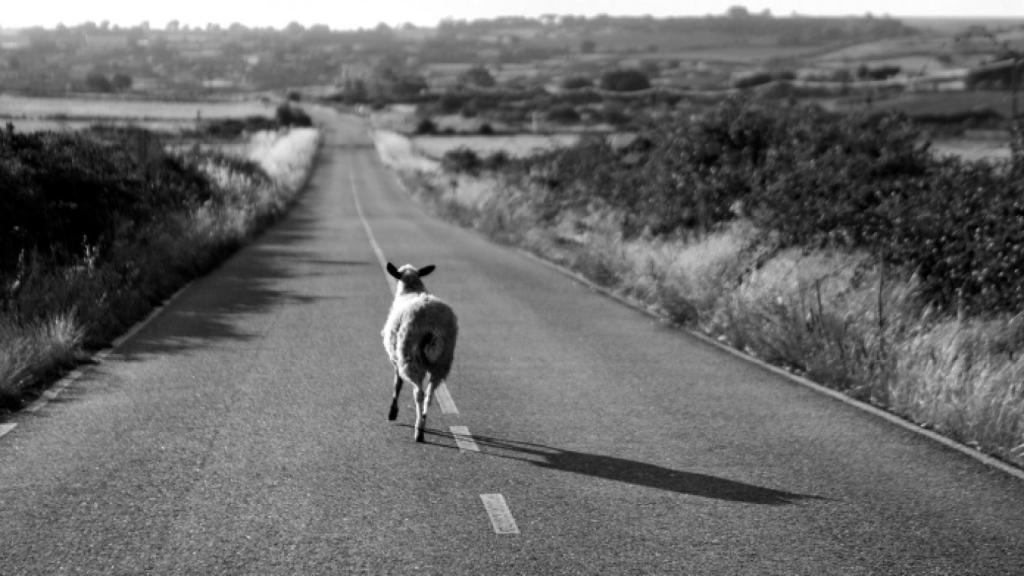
(419, 338)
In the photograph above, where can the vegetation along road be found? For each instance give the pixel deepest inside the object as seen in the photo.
(243, 431)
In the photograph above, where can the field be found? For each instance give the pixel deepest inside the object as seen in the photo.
(63, 111)
(973, 148)
(61, 124)
(936, 103)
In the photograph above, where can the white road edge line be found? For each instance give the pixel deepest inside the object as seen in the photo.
(800, 380)
(463, 439)
(444, 399)
(117, 342)
(54, 391)
(501, 517)
(5, 428)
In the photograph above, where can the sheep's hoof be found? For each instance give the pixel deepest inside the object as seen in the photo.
(393, 413)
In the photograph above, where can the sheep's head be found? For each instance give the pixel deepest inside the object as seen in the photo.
(409, 277)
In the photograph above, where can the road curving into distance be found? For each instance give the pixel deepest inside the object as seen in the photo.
(243, 431)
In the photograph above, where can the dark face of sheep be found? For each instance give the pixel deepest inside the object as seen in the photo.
(409, 277)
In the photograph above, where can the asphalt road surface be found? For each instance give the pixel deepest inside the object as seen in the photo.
(244, 431)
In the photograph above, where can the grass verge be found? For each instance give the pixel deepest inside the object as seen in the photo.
(56, 304)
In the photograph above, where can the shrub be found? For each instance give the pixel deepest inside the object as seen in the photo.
(563, 114)
(477, 76)
(96, 82)
(461, 160)
(815, 179)
(451, 103)
(577, 82)
(627, 80)
(290, 115)
(426, 126)
(95, 231)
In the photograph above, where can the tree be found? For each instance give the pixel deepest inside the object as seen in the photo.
(96, 82)
(477, 76)
(625, 80)
(587, 46)
(576, 82)
(121, 82)
(737, 12)
(563, 114)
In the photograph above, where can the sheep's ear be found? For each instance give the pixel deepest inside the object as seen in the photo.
(394, 271)
(425, 270)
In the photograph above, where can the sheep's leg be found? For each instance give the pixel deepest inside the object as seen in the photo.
(418, 432)
(393, 413)
(426, 401)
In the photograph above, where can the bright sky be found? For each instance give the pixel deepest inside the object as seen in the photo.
(341, 14)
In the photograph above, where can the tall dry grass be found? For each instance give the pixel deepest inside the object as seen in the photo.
(838, 317)
(60, 310)
(965, 379)
(30, 350)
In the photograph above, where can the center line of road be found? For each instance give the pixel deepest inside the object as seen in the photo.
(463, 439)
(369, 232)
(501, 517)
(444, 398)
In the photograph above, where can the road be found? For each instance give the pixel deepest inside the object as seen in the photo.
(244, 431)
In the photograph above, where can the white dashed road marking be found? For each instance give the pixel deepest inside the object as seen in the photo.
(497, 509)
(444, 398)
(501, 517)
(463, 439)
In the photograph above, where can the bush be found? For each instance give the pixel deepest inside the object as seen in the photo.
(461, 160)
(96, 82)
(577, 82)
(628, 80)
(231, 128)
(477, 76)
(426, 126)
(615, 115)
(563, 114)
(814, 178)
(100, 225)
(290, 115)
(65, 191)
(451, 103)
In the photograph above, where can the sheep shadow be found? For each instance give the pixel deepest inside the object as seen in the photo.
(630, 471)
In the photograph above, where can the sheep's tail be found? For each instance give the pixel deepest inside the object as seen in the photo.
(432, 346)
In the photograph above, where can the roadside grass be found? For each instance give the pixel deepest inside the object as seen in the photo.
(965, 379)
(835, 316)
(58, 311)
(40, 348)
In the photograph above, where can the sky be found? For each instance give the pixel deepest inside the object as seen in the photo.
(349, 14)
